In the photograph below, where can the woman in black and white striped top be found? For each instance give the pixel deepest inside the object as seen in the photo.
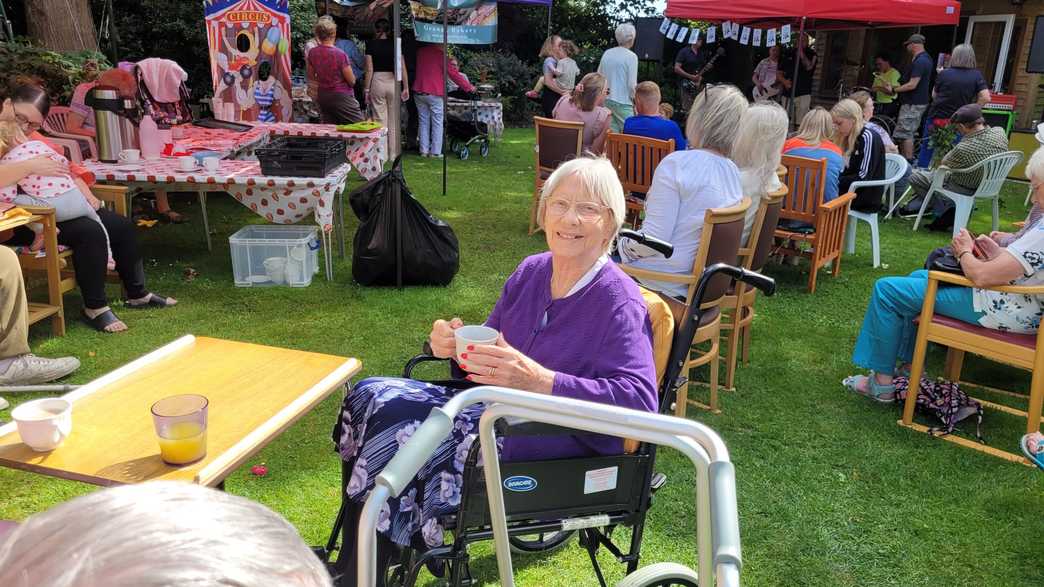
(863, 153)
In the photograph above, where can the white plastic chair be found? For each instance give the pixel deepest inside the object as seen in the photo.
(895, 168)
(995, 170)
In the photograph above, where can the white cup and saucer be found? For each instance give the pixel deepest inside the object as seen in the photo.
(43, 424)
(129, 160)
(187, 163)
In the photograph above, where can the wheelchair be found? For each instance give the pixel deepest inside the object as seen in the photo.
(548, 502)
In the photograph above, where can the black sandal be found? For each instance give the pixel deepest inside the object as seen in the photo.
(155, 301)
(101, 321)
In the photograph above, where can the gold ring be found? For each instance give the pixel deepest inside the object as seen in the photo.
(492, 371)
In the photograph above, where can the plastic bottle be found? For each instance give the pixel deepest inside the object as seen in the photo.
(151, 142)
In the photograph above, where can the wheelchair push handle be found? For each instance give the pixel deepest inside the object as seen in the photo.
(663, 247)
(753, 278)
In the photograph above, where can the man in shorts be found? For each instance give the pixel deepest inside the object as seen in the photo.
(914, 93)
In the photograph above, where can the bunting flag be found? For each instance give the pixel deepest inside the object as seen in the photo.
(770, 38)
(711, 35)
(757, 37)
(683, 32)
(694, 35)
(745, 36)
(784, 34)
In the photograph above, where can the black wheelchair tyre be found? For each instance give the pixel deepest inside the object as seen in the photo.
(484, 149)
(464, 153)
(544, 542)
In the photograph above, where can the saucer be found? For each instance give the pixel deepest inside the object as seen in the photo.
(126, 167)
(194, 169)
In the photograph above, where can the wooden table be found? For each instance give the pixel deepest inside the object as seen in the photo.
(50, 264)
(256, 392)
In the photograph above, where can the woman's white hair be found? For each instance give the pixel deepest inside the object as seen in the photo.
(158, 534)
(1035, 165)
(759, 142)
(598, 179)
(963, 56)
(714, 117)
(625, 33)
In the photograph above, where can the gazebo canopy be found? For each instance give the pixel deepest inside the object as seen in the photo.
(821, 14)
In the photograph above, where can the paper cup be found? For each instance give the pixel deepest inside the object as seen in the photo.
(473, 335)
(43, 424)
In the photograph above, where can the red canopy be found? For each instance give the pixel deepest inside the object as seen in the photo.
(821, 14)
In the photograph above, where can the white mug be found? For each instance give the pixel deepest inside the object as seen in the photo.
(187, 163)
(44, 424)
(130, 156)
(211, 164)
(294, 271)
(473, 335)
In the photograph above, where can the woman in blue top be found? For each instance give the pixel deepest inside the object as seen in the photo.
(813, 142)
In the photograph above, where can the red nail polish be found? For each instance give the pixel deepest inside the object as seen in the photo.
(465, 367)
(471, 347)
(463, 355)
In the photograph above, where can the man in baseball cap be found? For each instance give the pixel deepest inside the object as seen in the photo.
(978, 142)
(916, 38)
(914, 93)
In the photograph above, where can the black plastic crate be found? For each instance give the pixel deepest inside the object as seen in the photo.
(301, 156)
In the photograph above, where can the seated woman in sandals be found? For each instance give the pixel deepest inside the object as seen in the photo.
(888, 332)
(83, 235)
(571, 324)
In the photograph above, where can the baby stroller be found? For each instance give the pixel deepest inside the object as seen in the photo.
(556, 503)
(465, 129)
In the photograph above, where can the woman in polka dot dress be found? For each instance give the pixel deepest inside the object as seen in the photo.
(69, 196)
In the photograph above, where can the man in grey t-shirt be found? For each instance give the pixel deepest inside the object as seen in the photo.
(619, 65)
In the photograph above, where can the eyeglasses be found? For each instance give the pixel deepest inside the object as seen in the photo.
(586, 211)
(26, 124)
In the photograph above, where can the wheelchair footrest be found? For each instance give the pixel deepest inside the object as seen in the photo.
(658, 481)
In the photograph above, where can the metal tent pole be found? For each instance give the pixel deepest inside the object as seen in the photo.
(445, 84)
(394, 124)
(791, 107)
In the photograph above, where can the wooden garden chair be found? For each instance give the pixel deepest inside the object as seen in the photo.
(114, 197)
(739, 303)
(1021, 350)
(556, 141)
(636, 159)
(719, 243)
(806, 183)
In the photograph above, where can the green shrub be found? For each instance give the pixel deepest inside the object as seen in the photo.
(510, 75)
(58, 72)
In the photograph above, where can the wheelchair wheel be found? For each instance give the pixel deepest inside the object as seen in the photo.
(545, 542)
(661, 575)
(484, 149)
(464, 153)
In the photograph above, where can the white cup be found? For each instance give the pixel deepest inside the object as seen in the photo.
(130, 156)
(275, 268)
(187, 163)
(473, 335)
(44, 423)
(294, 271)
(211, 164)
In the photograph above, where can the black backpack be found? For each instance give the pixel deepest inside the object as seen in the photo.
(430, 253)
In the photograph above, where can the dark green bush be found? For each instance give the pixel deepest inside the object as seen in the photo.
(511, 76)
(58, 72)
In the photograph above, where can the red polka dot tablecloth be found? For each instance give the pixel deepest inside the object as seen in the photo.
(282, 200)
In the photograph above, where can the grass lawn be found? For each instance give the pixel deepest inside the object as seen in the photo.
(831, 491)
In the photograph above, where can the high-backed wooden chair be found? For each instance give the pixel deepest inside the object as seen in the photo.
(1021, 350)
(806, 182)
(719, 243)
(55, 125)
(739, 303)
(114, 197)
(635, 159)
(556, 141)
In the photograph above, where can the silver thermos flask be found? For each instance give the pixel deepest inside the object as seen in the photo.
(129, 128)
(107, 106)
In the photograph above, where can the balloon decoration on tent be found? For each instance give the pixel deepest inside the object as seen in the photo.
(692, 31)
(250, 59)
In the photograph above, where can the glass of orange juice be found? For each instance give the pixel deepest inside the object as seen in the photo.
(181, 426)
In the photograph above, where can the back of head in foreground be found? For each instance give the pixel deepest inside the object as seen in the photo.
(158, 534)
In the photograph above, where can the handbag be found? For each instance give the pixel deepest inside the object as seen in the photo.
(943, 259)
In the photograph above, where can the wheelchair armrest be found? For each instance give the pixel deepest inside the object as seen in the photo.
(407, 371)
(516, 427)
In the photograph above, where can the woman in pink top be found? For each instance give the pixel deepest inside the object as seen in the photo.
(428, 90)
(586, 105)
(329, 67)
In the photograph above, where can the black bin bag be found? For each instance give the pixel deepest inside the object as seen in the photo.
(430, 252)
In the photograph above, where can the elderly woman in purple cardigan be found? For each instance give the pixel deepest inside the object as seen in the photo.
(571, 324)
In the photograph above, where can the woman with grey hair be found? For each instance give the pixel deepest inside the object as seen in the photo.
(959, 84)
(688, 183)
(570, 324)
(157, 535)
(759, 147)
(619, 65)
(329, 67)
(889, 332)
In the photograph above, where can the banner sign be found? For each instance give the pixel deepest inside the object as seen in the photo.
(471, 22)
(250, 59)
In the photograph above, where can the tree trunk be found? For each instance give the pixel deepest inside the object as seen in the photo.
(61, 25)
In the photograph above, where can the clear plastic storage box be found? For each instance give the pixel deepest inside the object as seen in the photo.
(267, 255)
